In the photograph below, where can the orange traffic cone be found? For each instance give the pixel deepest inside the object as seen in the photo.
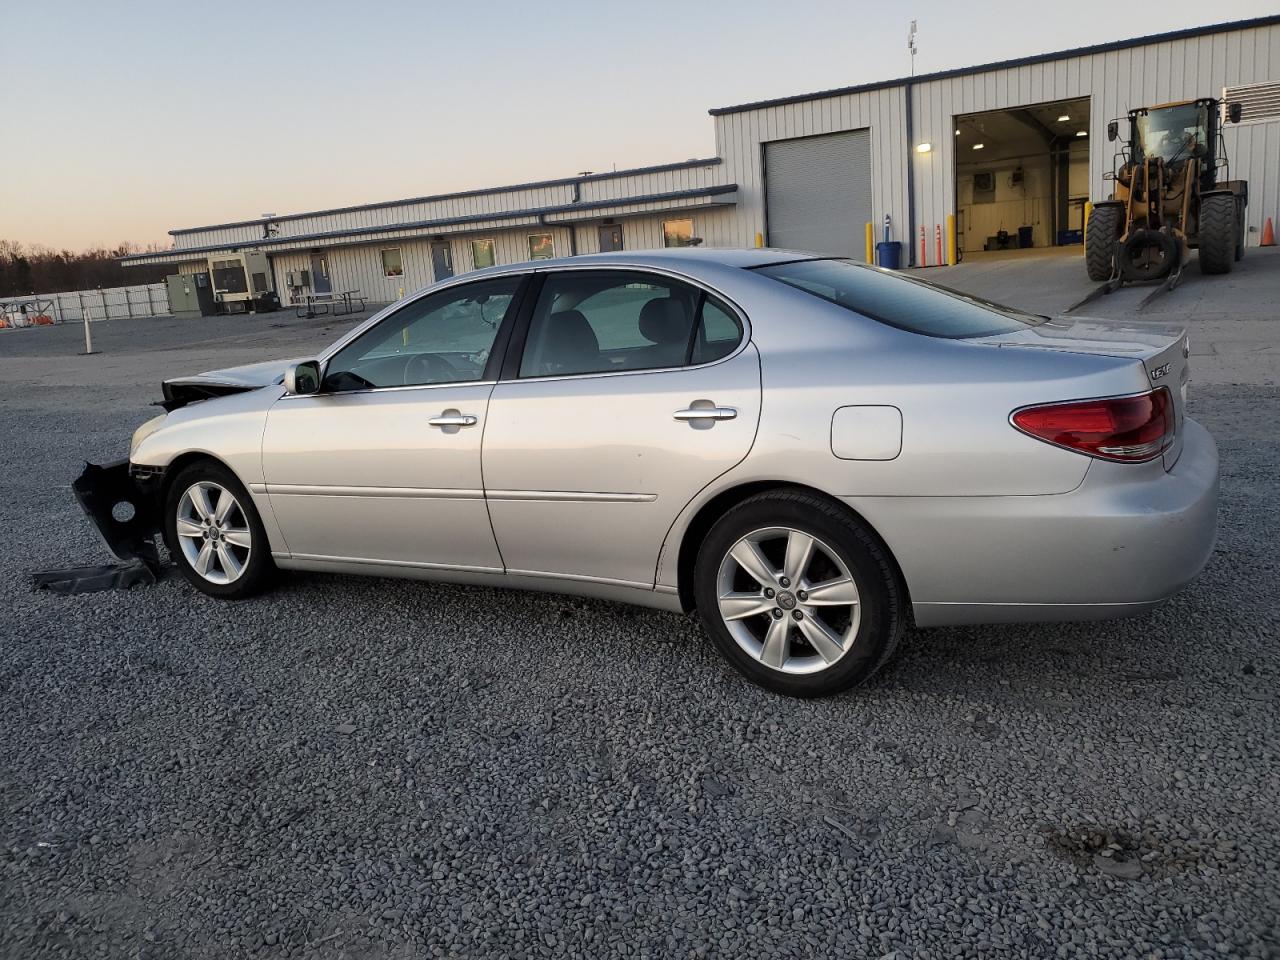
(1268, 235)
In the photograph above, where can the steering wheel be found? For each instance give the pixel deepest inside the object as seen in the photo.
(428, 368)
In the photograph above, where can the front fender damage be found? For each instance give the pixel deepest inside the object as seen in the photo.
(126, 515)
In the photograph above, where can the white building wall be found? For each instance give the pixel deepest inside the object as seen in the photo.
(603, 187)
(740, 139)
(1115, 81)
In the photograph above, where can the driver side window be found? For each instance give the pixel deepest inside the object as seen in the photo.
(445, 338)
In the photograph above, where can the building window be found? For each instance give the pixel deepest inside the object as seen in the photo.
(482, 254)
(677, 233)
(392, 265)
(541, 246)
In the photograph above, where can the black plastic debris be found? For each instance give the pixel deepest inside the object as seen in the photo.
(128, 521)
(110, 576)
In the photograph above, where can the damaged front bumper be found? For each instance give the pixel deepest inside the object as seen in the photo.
(123, 504)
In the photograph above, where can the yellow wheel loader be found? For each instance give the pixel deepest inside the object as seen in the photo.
(1173, 192)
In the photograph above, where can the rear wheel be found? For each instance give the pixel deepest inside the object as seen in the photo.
(214, 533)
(1217, 233)
(1100, 241)
(797, 595)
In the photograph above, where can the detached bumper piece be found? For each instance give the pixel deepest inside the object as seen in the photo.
(127, 518)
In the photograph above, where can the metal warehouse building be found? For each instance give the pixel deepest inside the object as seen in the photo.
(1011, 150)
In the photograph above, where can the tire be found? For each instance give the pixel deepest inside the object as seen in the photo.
(1217, 233)
(1101, 234)
(852, 640)
(1141, 242)
(232, 545)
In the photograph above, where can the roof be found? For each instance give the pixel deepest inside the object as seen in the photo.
(485, 191)
(179, 254)
(1189, 33)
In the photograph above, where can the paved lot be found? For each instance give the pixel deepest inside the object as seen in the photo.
(364, 768)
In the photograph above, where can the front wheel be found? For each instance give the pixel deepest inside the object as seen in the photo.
(214, 533)
(1100, 240)
(1217, 233)
(798, 595)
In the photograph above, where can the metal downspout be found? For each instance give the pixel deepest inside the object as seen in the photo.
(909, 242)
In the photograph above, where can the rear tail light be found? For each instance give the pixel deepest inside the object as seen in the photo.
(1127, 429)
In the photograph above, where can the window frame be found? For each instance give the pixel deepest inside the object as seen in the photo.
(382, 256)
(510, 370)
(493, 250)
(550, 236)
(677, 246)
(497, 354)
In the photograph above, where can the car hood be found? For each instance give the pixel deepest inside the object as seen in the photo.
(180, 391)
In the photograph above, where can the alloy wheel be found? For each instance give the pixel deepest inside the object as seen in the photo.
(213, 532)
(788, 600)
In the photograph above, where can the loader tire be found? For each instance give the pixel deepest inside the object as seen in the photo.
(1218, 236)
(1100, 241)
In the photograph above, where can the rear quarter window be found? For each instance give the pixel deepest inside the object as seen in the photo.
(900, 301)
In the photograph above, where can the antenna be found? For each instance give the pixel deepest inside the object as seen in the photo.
(911, 46)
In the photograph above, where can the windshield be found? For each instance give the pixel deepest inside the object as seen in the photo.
(1173, 133)
(899, 301)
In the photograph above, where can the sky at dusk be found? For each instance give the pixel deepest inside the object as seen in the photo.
(126, 119)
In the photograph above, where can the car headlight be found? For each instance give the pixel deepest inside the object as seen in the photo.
(144, 431)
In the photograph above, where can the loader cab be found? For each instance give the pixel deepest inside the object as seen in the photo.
(1174, 132)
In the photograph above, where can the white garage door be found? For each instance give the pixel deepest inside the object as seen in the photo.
(818, 193)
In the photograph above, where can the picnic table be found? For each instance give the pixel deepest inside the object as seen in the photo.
(335, 303)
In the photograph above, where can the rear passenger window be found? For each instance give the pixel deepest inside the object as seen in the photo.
(719, 333)
(599, 322)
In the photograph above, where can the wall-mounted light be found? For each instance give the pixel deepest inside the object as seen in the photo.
(978, 146)
(1064, 118)
(1082, 133)
(957, 131)
(923, 147)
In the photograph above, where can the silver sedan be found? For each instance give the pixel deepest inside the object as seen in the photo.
(809, 452)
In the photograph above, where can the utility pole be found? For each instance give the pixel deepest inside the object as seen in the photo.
(911, 46)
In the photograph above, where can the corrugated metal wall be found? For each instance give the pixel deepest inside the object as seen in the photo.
(740, 138)
(1115, 81)
(359, 267)
(498, 201)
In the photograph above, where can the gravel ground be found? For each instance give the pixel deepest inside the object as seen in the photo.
(365, 768)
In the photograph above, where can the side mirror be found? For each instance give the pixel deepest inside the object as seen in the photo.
(1113, 130)
(1234, 112)
(303, 378)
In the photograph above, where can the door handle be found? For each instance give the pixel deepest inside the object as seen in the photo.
(706, 413)
(453, 420)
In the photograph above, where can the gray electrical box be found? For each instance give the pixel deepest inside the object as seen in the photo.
(190, 295)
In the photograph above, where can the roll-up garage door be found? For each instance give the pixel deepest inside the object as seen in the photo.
(818, 192)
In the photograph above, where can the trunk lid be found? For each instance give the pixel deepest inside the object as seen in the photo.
(1163, 350)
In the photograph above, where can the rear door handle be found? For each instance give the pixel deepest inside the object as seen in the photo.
(453, 420)
(706, 413)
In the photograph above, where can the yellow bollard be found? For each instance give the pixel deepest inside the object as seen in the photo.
(1084, 230)
(759, 239)
(951, 239)
(871, 243)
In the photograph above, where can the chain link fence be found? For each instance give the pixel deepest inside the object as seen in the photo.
(115, 303)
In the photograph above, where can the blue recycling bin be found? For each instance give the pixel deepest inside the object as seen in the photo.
(889, 254)
(1024, 238)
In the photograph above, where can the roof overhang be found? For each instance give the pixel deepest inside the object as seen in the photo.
(563, 214)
